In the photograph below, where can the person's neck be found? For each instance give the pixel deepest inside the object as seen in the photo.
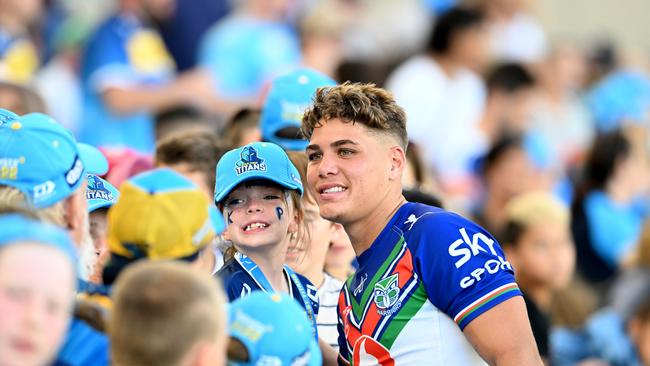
(363, 233)
(447, 64)
(271, 262)
(618, 193)
(315, 275)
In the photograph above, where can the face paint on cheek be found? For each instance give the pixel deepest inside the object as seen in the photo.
(280, 212)
(229, 219)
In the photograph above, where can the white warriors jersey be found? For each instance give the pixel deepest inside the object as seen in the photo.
(428, 274)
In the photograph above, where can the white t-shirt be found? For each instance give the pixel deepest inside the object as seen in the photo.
(440, 110)
(327, 319)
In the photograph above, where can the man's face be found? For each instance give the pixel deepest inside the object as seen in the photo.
(36, 297)
(349, 170)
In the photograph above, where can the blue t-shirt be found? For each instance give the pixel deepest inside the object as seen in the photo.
(239, 282)
(614, 228)
(121, 53)
(427, 268)
(242, 54)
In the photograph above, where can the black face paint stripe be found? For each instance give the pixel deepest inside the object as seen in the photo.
(280, 212)
(229, 219)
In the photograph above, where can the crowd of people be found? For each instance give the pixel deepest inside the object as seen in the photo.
(303, 182)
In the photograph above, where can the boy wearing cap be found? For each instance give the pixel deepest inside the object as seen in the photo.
(167, 314)
(270, 329)
(37, 287)
(419, 266)
(290, 95)
(41, 165)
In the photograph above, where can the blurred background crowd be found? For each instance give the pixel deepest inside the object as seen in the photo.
(529, 116)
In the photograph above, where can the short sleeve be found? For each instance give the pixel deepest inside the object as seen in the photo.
(463, 268)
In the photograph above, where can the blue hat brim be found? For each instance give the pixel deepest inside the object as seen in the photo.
(255, 176)
(94, 161)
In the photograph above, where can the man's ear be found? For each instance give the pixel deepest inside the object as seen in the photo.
(397, 163)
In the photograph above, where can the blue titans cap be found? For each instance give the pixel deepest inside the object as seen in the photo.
(274, 329)
(290, 95)
(40, 157)
(258, 160)
(15, 227)
(100, 193)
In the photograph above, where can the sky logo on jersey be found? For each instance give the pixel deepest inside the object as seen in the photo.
(466, 248)
(387, 292)
(249, 161)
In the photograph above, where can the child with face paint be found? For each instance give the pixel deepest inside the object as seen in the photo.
(258, 190)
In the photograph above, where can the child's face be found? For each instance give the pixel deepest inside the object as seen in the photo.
(544, 256)
(36, 297)
(309, 255)
(258, 216)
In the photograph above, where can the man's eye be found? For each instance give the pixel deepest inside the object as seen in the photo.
(346, 152)
(314, 156)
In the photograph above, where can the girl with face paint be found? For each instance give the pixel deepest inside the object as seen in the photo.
(258, 190)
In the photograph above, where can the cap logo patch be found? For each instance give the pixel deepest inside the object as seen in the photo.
(43, 191)
(96, 190)
(249, 161)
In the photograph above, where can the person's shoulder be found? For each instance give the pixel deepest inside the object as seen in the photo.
(435, 225)
(230, 270)
(418, 67)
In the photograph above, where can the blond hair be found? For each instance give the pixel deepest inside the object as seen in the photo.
(161, 310)
(55, 214)
(366, 104)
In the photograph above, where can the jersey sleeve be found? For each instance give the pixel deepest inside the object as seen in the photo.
(463, 268)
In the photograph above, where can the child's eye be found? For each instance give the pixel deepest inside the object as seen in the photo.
(234, 202)
(314, 156)
(271, 197)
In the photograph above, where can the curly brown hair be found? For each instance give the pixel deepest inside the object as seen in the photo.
(367, 104)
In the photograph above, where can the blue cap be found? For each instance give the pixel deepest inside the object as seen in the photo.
(100, 193)
(274, 329)
(15, 227)
(290, 95)
(257, 160)
(40, 157)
